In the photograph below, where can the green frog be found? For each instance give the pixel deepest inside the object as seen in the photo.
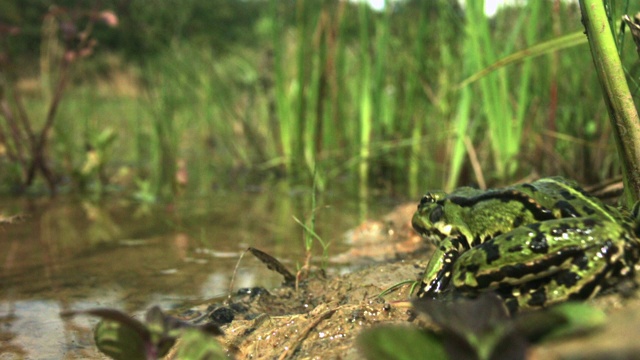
(535, 244)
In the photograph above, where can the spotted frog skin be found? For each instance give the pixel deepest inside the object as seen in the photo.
(535, 244)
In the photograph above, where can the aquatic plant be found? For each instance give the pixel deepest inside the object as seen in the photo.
(68, 38)
(122, 337)
(476, 329)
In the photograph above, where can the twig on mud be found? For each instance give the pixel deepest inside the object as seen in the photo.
(303, 334)
(272, 264)
(275, 265)
(233, 276)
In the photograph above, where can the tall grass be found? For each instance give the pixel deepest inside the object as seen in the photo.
(282, 102)
(371, 97)
(504, 117)
(364, 100)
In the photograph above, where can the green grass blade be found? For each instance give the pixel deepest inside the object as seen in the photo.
(563, 42)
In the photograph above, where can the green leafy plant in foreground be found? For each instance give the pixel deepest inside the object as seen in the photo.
(122, 337)
(476, 329)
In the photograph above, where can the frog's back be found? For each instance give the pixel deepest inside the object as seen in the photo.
(567, 199)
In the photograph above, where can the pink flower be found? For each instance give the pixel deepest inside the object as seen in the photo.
(109, 18)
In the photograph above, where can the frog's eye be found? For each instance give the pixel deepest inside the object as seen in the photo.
(432, 196)
(436, 214)
(427, 199)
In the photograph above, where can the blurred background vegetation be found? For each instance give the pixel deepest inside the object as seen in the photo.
(195, 95)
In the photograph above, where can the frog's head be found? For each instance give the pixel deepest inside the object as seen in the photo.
(431, 218)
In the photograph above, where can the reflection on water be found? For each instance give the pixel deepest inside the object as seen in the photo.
(75, 254)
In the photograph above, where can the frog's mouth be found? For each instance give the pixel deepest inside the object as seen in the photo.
(440, 228)
(444, 229)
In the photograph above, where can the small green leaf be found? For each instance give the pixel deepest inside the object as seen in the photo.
(119, 341)
(155, 320)
(197, 345)
(400, 343)
(475, 329)
(567, 319)
(123, 337)
(461, 316)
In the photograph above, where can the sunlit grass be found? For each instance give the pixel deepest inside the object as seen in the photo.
(423, 96)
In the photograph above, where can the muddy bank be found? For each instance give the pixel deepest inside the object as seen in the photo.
(323, 318)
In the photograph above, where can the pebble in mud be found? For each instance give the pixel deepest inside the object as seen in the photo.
(222, 315)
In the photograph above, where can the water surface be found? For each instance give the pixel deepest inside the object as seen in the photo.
(76, 254)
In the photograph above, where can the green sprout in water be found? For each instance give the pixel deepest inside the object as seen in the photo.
(310, 232)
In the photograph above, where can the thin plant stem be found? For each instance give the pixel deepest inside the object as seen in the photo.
(623, 114)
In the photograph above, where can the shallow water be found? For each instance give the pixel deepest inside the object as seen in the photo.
(77, 254)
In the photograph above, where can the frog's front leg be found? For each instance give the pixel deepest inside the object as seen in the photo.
(438, 273)
(546, 262)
